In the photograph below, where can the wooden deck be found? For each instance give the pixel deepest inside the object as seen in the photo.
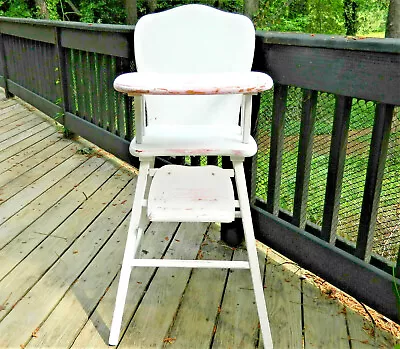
(64, 211)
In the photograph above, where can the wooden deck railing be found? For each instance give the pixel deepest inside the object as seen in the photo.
(326, 174)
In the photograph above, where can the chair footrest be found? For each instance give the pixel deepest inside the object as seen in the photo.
(179, 263)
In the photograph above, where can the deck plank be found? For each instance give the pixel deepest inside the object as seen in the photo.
(23, 157)
(325, 321)
(36, 188)
(38, 207)
(10, 114)
(194, 323)
(96, 330)
(17, 119)
(65, 322)
(50, 289)
(25, 239)
(27, 273)
(16, 149)
(237, 326)
(283, 297)
(367, 336)
(23, 135)
(152, 320)
(27, 121)
(34, 167)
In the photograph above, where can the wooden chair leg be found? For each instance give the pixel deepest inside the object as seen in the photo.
(252, 252)
(135, 232)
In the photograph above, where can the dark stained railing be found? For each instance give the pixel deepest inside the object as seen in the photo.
(324, 181)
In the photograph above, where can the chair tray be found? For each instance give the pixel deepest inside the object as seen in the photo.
(191, 194)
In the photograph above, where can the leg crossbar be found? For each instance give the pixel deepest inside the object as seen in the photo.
(179, 263)
(138, 221)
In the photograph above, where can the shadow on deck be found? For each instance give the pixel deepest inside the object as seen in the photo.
(64, 211)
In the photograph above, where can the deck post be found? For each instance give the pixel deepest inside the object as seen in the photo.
(5, 68)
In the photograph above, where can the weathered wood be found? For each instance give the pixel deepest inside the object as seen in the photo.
(96, 330)
(324, 319)
(24, 117)
(276, 148)
(16, 139)
(11, 114)
(150, 324)
(283, 298)
(28, 194)
(17, 191)
(100, 137)
(237, 324)
(28, 31)
(309, 108)
(15, 149)
(13, 130)
(34, 167)
(29, 227)
(39, 102)
(337, 158)
(349, 273)
(362, 74)
(373, 181)
(60, 55)
(64, 323)
(114, 44)
(364, 335)
(194, 322)
(31, 151)
(79, 246)
(4, 73)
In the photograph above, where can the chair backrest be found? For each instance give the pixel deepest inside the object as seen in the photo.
(194, 39)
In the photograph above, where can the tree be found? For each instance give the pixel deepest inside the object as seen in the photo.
(350, 16)
(251, 7)
(42, 8)
(131, 11)
(393, 20)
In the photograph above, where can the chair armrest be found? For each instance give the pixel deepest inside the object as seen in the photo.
(192, 84)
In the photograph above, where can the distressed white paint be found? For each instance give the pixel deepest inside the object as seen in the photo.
(193, 85)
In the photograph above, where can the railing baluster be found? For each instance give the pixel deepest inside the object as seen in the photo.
(309, 109)
(373, 183)
(195, 160)
(212, 160)
(275, 155)
(337, 158)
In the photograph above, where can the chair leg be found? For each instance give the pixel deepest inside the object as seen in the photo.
(135, 231)
(252, 252)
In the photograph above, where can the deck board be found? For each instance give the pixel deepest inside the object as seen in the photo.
(63, 224)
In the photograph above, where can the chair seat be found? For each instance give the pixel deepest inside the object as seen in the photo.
(191, 194)
(161, 140)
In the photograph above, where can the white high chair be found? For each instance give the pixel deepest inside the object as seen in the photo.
(192, 95)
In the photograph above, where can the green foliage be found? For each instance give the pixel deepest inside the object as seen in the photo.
(16, 8)
(102, 11)
(311, 16)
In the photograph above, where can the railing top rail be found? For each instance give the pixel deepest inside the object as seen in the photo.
(389, 45)
(114, 28)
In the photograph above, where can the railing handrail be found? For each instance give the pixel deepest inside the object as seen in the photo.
(360, 43)
(113, 28)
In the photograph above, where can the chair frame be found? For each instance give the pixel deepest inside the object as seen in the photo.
(140, 219)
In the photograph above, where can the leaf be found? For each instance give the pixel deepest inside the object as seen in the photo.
(169, 340)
